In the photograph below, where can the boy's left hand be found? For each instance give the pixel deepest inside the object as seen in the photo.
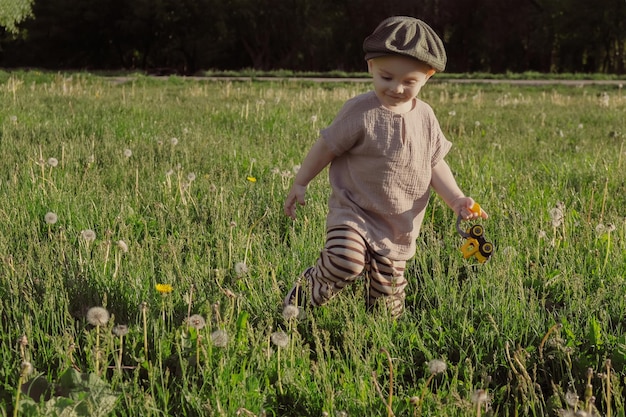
(463, 207)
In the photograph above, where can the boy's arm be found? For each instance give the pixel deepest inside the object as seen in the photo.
(445, 185)
(315, 161)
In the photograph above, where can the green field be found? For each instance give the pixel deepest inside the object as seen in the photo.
(108, 189)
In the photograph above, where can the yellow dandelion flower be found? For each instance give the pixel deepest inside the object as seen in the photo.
(164, 288)
(251, 178)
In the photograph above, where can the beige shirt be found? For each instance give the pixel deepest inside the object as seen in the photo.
(380, 178)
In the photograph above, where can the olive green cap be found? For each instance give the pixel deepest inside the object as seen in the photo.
(408, 36)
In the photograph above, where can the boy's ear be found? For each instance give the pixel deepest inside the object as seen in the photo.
(430, 73)
(369, 66)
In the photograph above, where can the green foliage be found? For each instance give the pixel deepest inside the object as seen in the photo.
(75, 394)
(182, 182)
(13, 12)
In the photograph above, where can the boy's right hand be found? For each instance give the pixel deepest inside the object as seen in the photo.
(296, 195)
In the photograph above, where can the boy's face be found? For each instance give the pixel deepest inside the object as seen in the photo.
(398, 79)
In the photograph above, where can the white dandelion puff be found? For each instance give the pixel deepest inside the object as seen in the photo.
(53, 162)
(88, 235)
(241, 269)
(122, 246)
(280, 339)
(197, 322)
(174, 141)
(219, 338)
(557, 215)
(480, 397)
(26, 369)
(128, 153)
(191, 176)
(600, 229)
(436, 366)
(98, 316)
(120, 330)
(291, 312)
(51, 217)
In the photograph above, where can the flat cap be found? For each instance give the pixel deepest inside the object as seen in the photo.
(408, 36)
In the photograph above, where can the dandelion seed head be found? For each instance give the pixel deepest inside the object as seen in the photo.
(556, 214)
(120, 330)
(51, 217)
(414, 400)
(26, 369)
(600, 229)
(436, 366)
(128, 153)
(197, 321)
(610, 227)
(480, 397)
(122, 246)
(174, 141)
(275, 171)
(53, 162)
(314, 118)
(143, 306)
(219, 338)
(280, 339)
(452, 113)
(542, 234)
(98, 316)
(191, 176)
(13, 118)
(291, 312)
(477, 123)
(88, 235)
(509, 252)
(22, 340)
(241, 269)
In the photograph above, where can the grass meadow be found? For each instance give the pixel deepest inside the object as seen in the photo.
(144, 256)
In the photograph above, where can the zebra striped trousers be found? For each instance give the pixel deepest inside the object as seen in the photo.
(345, 257)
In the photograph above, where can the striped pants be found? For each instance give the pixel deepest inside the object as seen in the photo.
(344, 258)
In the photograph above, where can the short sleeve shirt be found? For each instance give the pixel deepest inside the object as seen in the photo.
(380, 178)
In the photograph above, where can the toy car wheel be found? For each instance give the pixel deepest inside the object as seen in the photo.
(486, 249)
(477, 231)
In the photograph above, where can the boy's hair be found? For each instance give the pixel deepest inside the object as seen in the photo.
(408, 36)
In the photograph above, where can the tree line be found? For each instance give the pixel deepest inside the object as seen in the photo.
(188, 36)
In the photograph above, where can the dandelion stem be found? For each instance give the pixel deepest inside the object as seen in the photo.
(16, 408)
(144, 307)
(390, 399)
(604, 194)
(545, 338)
(608, 249)
(97, 349)
(608, 388)
(119, 364)
(255, 224)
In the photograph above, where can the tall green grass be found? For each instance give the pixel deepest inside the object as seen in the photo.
(190, 178)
